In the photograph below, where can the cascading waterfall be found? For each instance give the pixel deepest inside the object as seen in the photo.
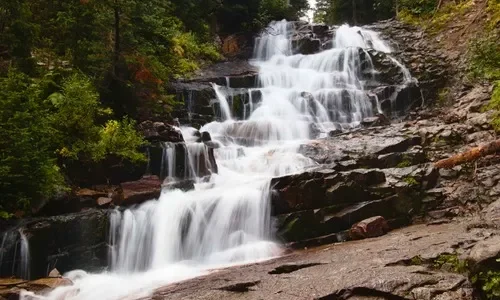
(167, 169)
(226, 220)
(18, 243)
(25, 256)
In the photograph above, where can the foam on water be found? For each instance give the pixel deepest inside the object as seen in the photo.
(226, 221)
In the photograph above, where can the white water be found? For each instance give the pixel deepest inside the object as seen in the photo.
(167, 169)
(226, 221)
(25, 256)
(21, 253)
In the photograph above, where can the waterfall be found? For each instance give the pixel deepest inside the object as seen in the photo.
(25, 256)
(167, 169)
(224, 105)
(225, 220)
(16, 243)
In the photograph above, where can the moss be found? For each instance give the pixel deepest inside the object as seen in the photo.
(410, 180)
(447, 13)
(416, 261)
(451, 262)
(404, 163)
(443, 97)
(494, 105)
(431, 20)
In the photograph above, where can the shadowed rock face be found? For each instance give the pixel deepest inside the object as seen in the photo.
(365, 173)
(67, 242)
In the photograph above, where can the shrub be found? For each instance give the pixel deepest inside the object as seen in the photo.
(76, 118)
(119, 138)
(484, 56)
(489, 282)
(28, 169)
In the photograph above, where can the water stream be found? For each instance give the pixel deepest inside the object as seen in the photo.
(226, 221)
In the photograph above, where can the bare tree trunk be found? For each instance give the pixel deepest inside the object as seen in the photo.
(469, 155)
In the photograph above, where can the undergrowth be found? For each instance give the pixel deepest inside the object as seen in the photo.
(423, 14)
(490, 283)
(484, 59)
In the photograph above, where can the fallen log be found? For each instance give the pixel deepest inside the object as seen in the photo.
(469, 155)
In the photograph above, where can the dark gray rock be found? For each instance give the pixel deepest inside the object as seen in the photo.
(69, 242)
(160, 132)
(306, 45)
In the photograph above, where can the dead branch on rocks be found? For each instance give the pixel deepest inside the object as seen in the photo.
(469, 155)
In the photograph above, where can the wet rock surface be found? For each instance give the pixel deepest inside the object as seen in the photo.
(10, 289)
(425, 59)
(68, 242)
(137, 192)
(160, 132)
(367, 269)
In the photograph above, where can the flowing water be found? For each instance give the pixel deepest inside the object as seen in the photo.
(20, 261)
(226, 221)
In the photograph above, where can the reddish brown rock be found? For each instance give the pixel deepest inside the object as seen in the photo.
(11, 288)
(136, 192)
(90, 193)
(103, 201)
(368, 228)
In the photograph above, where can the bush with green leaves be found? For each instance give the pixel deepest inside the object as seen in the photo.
(76, 117)
(28, 168)
(44, 125)
(484, 56)
(489, 281)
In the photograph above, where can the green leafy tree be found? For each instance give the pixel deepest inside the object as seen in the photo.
(28, 169)
(76, 120)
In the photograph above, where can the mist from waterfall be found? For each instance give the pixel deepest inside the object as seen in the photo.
(227, 220)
